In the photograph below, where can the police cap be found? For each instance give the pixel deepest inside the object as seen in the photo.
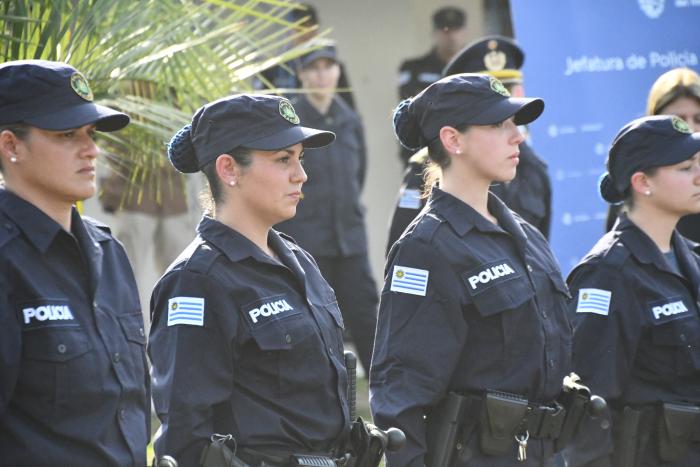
(449, 18)
(51, 96)
(643, 144)
(327, 51)
(251, 121)
(463, 99)
(497, 56)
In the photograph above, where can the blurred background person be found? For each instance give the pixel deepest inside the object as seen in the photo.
(329, 222)
(530, 192)
(284, 76)
(415, 74)
(676, 92)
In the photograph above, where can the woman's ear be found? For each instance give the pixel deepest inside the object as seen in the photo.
(8, 146)
(640, 183)
(449, 137)
(227, 169)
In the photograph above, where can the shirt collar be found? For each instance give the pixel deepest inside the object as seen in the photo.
(462, 217)
(236, 246)
(35, 224)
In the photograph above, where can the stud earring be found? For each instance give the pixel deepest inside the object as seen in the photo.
(648, 193)
(13, 159)
(459, 151)
(232, 182)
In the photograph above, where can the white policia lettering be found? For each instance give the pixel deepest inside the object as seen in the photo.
(271, 308)
(669, 309)
(47, 312)
(489, 274)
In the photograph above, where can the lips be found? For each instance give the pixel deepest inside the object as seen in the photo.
(87, 170)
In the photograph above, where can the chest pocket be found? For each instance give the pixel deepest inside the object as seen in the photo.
(502, 318)
(58, 367)
(676, 346)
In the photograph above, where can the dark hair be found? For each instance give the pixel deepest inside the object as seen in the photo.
(21, 131)
(439, 161)
(209, 199)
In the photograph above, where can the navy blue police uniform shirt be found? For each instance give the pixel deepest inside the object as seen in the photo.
(467, 306)
(73, 372)
(529, 194)
(246, 345)
(636, 321)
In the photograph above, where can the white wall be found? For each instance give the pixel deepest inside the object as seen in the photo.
(374, 37)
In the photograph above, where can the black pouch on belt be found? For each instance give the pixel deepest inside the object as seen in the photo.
(678, 423)
(501, 417)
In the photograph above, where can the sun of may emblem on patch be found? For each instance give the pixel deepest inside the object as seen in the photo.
(680, 125)
(287, 111)
(498, 87)
(81, 86)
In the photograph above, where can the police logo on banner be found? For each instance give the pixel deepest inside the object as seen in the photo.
(409, 280)
(652, 8)
(410, 199)
(594, 301)
(186, 310)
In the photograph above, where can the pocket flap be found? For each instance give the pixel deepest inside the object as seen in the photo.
(132, 325)
(55, 344)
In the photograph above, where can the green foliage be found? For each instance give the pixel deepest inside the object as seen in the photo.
(157, 60)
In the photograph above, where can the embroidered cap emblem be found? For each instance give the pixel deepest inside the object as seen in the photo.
(81, 87)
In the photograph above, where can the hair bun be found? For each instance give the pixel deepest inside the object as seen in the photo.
(406, 126)
(608, 191)
(181, 151)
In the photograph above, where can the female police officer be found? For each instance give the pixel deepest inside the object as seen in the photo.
(247, 335)
(73, 374)
(637, 328)
(473, 300)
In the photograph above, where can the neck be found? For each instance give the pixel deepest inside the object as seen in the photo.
(657, 224)
(57, 209)
(469, 189)
(247, 224)
(444, 55)
(321, 101)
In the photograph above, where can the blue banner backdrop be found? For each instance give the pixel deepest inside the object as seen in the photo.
(593, 62)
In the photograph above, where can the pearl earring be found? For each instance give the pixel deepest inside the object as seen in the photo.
(648, 193)
(459, 151)
(13, 159)
(232, 182)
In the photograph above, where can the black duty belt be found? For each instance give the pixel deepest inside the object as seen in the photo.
(544, 421)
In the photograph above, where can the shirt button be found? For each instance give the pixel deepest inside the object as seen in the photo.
(122, 414)
(544, 315)
(116, 357)
(141, 333)
(288, 339)
(61, 348)
(682, 337)
(529, 268)
(330, 350)
(551, 363)
(94, 305)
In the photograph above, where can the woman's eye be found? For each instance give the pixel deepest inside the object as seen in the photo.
(497, 125)
(284, 160)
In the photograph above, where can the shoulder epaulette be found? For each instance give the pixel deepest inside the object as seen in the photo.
(202, 257)
(100, 225)
(426, 226)
(8, 231)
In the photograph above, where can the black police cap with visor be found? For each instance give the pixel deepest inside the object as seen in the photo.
(497, 56)
(464, 99)
(643, 144)
(249, 121)
(51, 96)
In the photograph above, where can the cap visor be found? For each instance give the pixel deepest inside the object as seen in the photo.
(308, 137)
(313, 56)
(104, 118)
(681, 150)
(525, 110)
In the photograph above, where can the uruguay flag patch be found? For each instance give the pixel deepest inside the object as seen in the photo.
(594, 301)
(409, 280)
(186, 310)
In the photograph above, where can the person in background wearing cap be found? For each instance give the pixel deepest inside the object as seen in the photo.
(530, 192)
(473, 299)
(635, 307)
(415, 74)
(247, 335)
(74, 386)
(676, 92)
(284, 76)
(330, 218)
